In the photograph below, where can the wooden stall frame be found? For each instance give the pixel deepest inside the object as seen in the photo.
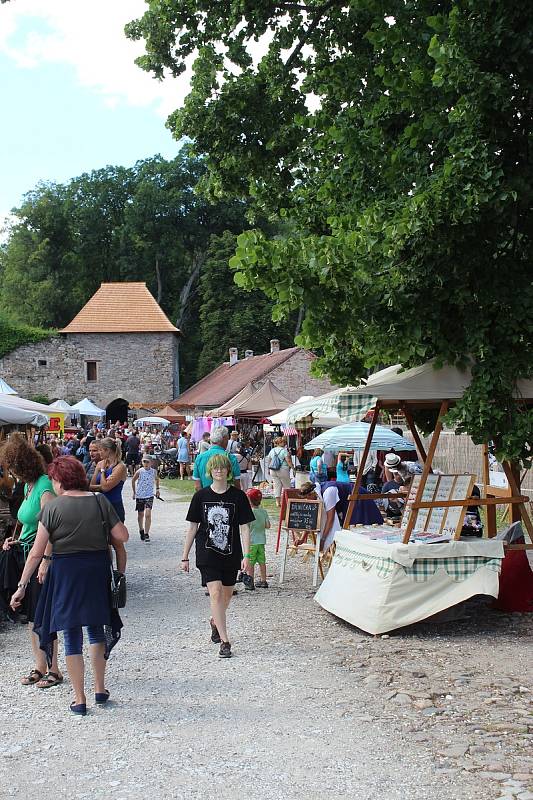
(515, 500)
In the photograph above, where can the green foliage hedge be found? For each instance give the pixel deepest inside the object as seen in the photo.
(15, 334)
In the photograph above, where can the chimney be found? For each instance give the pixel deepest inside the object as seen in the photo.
(274, 345)
(248, 353)
(233, 356)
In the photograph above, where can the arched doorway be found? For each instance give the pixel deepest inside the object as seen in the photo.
(117, 411)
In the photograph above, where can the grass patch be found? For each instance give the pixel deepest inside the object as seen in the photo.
(184, 490)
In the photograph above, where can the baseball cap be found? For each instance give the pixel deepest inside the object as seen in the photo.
(255, 495)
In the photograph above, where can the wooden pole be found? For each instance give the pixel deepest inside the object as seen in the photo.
(362, 461)
(425, 472)
(515, 491)
(491, 510)
(412, 427)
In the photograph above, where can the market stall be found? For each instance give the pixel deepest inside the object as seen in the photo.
(86, 408)
(55, 418)
(384, 578)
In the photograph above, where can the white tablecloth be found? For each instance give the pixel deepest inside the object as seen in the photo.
(380, 586)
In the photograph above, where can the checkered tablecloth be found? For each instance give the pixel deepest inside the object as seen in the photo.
(458, 568)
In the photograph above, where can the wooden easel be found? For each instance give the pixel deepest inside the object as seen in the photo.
(300, 543)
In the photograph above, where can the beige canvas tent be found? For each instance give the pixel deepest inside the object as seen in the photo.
(267, 400)
(227, 409)
(420, 385)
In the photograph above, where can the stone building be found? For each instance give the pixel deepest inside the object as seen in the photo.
(289, 370)
(120, 349)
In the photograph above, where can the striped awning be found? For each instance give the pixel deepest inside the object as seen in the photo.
(350, 406)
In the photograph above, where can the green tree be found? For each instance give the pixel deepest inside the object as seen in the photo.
(395, 140)
(232, 317)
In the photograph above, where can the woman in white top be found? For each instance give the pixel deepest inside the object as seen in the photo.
(281, 478)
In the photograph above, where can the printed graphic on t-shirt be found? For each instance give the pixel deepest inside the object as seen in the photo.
(219, 518)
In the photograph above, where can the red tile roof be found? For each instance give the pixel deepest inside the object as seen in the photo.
(224, 382)
(121, 308)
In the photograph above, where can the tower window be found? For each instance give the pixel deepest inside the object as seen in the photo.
(91, 371)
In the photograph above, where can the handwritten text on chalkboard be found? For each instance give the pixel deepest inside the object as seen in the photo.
(303, 515)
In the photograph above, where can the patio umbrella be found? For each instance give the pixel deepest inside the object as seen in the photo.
(353, 436)
(153, 421)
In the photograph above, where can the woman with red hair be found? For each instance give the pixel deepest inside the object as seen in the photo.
(80, 527)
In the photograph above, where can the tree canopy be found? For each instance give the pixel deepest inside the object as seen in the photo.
(141, 223)
(394, 139)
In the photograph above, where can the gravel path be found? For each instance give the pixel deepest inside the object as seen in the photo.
(308, 707)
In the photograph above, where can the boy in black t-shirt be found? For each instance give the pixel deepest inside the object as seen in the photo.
(219, 515)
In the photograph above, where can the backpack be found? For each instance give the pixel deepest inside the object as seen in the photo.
(275, 461)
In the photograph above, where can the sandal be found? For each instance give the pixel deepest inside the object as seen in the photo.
(34, 677)
(79, 708)
(101, 697)
(49, 680)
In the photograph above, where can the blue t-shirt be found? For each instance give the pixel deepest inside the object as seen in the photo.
(323, 471)
(342, 472)
(201, 460)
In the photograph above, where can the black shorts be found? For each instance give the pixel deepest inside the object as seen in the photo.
(133, 458)
(228, 577)
(144, 502)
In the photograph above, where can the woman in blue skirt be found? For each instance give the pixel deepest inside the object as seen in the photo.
(76, 591)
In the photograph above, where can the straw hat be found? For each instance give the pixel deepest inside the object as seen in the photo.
(392, 460)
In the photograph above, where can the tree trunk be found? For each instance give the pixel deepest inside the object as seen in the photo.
(299, 321)
(159, 281)
(185, 294)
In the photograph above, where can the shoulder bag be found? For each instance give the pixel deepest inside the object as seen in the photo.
(118, 579)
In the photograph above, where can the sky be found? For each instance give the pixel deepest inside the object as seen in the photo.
(72, 97)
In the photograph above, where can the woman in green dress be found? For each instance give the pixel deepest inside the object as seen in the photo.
(23, 461)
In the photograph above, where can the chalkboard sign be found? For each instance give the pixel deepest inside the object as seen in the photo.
(303, 515)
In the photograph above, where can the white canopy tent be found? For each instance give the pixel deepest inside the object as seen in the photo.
(62, 406)
(11, 415)
(87, 408)
(29, 405)
(5, 388)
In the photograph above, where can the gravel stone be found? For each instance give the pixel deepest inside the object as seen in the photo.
(182, 724)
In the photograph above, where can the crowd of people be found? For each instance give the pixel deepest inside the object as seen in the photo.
(70, 534)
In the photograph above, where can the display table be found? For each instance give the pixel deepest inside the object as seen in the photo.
(380, 586)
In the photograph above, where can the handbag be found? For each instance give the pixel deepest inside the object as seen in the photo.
(118, 579)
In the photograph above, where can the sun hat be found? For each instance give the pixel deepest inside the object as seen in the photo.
(392, 460)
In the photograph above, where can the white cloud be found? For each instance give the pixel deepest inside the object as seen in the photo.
(88, 36)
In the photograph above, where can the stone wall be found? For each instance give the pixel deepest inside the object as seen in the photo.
(293, 378)
(138, 367)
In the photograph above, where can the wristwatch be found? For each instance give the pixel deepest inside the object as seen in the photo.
(21, 585)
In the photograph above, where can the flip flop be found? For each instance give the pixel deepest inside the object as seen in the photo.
(34, 677)
(80, 708)
(49, 680)
(101, 697)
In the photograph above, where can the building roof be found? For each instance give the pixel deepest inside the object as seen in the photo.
(121, 308)
(225, 381)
